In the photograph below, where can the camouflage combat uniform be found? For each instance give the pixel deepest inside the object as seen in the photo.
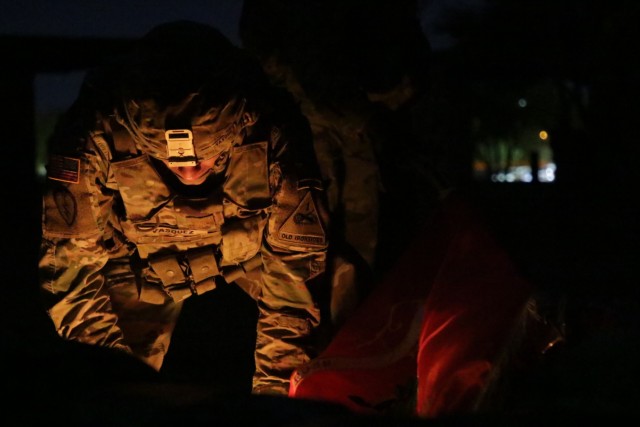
(122, 249)
(348, 156)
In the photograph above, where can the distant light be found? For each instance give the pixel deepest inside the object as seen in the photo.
(41, 170)
(522, 102)
(548, 173)
(524, 174)
(543, 135)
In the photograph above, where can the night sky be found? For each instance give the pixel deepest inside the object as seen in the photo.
(114, 18)
(129, 19)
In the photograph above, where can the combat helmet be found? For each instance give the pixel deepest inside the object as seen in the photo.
(183, 93)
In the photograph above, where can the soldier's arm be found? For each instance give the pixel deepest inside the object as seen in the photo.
(293, 252)
(75, 246)
(288, 316)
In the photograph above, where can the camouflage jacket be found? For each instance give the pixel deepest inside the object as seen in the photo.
(347, 152)
(121, 248)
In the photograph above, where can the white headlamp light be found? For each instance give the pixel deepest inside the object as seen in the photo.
(180, 151)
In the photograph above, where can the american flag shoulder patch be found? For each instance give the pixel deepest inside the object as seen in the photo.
(65, 169)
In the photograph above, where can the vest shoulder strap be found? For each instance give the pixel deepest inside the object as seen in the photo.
(123, 143)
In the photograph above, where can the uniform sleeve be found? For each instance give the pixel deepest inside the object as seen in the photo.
(293, 252)
(75, 247)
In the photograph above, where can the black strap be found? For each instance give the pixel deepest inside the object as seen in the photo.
(123, 143)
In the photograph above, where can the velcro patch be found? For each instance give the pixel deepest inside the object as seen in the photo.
(66, 204)
(303, 227)
(65, 169)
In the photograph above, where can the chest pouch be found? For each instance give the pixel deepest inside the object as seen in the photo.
(247, 182)
(241, 238)
(194, 272)
(189, 273)
(141, 188)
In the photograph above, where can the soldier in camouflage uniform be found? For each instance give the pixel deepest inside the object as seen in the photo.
(176, 171)
(300, 46)
(350, 80)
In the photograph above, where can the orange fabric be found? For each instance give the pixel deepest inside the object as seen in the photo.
(441, 318)
(470, 313)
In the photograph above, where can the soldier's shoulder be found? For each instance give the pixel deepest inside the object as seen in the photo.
(73, 132)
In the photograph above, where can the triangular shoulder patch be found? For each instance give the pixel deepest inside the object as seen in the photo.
(304, 227)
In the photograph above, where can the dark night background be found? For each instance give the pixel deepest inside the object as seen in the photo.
(576, 238)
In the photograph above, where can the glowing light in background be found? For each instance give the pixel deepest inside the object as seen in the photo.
(543, 135)
(523, 174)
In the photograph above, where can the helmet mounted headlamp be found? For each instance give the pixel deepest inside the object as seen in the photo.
(180, 151)
(203, 134)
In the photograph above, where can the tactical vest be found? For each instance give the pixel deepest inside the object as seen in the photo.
(185, 243)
